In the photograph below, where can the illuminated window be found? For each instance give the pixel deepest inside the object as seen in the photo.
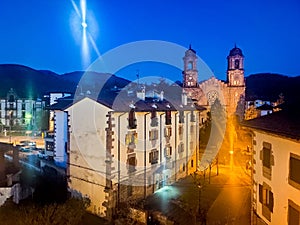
(153, 156)
(131, 138)
(294, 171)
(293, 213)
(168, 132)
(168, 151)
(168, 118)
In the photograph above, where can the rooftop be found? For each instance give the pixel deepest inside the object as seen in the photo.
(285, 123)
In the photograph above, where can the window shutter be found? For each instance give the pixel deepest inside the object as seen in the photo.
(260, 193)
(271, 201)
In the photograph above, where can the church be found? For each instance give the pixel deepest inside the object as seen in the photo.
(230, 93)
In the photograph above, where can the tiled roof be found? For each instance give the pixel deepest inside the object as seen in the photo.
(123, 103)
(285, 122)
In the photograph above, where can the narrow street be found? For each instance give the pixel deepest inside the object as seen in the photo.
(232, 206)
(224, 199)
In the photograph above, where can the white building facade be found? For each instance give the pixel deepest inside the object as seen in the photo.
(127, 153)
(276, 170)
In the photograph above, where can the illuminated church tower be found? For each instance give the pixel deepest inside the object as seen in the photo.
(235, 82)
(190, 73)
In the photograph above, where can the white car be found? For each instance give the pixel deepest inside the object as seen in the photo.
(42, 154)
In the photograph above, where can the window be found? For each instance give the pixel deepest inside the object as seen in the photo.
(192, 129)
(153, 135)
(293, 214)
(180, 148)
(131, 162)
(192, 163)
(267, 200)
(153, 156)
(180, 132)
(267, 157)
(131, 120)
(192, 146)
(168, 118)
(193, 117)
(181, 117)
(237, 64)
(267, 160)
(294, 174)
(154, 119)
(131, 138)
(168, 131)
(168, 151)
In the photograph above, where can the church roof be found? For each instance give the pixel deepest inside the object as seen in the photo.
(236, 51)
(190, 49)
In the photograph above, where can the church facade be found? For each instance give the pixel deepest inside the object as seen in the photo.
(231, 93)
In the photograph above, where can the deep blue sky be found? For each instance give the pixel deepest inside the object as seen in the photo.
(39, 34)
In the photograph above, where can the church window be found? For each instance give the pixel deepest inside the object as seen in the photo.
(237, 64)
(190, 65)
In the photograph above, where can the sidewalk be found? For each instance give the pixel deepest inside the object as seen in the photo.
(222, 201)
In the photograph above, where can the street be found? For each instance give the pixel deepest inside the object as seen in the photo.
(223, 200)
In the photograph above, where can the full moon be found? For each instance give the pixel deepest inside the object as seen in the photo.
(83, 24)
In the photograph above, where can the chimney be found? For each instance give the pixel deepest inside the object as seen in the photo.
(141, 94)
(161, 95)
(184, 98)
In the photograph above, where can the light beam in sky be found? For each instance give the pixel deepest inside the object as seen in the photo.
(86, 35)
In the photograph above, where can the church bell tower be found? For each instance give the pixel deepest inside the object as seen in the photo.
(236, 82)
(190, 73)
(235, 70)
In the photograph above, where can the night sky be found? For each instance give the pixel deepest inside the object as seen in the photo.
(47, 35)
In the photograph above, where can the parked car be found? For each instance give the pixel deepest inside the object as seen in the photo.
(42, 154)
(24, 149)
(28, 144)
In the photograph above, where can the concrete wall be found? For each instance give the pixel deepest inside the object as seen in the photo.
(87, 169)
